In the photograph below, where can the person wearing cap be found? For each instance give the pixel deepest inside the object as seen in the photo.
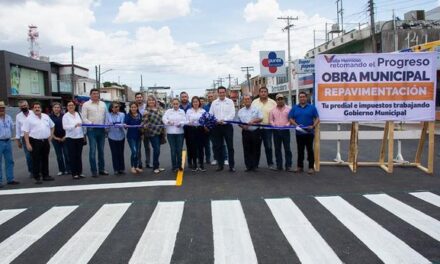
(279, 116)
(251, 135)
(38, 130)
(265, 105)
(306, 116)
(5, 146)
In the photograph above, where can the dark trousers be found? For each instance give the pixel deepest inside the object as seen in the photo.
(305, 141)
(74, 150)
(195, 145)
(117, 149)
(281, 137)
(207, 146)
(62, 155)
(266, 137)
(224, 133)
(40, 157)
(251, 141)
(147, 152)
(155, 144)
(187, 139)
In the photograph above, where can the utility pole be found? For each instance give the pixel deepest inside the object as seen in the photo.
(289, 78)
(99, 76)
(72, 76)
(247, 69)
(229, 77)
(340, 13)
(236, 81)
(373, 31)
(142, 86)
(214, 85)
(96, 76)
(220, 81)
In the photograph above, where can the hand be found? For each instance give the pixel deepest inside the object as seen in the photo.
(310, 127)
(63, 139)
(19, 144)
(78, 125)
(29, 147)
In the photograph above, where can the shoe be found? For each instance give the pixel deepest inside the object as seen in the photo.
(298, 170)
(13, 182)
(231, 169)
(103, 172)
(161, 169)
(194, 168)
(310, 171)
(60, 173)
(148, 166)
(121, 172)
(48, 178)
(156, 171)
(247, 170)
(82, 175)
(94, 175)
(220, 168)
(214, 162)
(76, 177)
(226, 162)
(139, 170)
(67, 173)
(271, 167)
(133, 170)
(202, 169)
(289, 169)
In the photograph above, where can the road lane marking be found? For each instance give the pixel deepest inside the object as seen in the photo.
(83, 245)
(232, 241)
(428, 197)
(157, 242)
(88, 187)
(412, 216)
(381, 242)
(5, 215)
(16, 244)
(307, 243)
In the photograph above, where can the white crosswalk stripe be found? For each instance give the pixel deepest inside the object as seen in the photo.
(428, 197)
(302, 236)
(83, 245)
(385, 245)
(13, 246)
(421, 221)
(5, 215)
(157, 242)
(232, 241)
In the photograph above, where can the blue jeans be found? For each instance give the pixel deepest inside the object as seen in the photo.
(266, 136)
(176, 145)
(62, 156)
(117, 149)
(135, 147)
(6, 153)
(27, 154)
(155, 144)
(282, 138)
(96, 138)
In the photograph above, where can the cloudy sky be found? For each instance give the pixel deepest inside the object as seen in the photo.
(185, 44)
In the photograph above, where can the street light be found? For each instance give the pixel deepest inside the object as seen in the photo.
(99, 74)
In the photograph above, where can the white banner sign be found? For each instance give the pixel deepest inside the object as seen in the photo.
(272, 63)
(304, 66)
(376, 87)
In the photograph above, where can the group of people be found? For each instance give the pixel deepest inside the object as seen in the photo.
(263, 122)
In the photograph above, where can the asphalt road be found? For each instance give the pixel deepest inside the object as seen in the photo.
(223, 217)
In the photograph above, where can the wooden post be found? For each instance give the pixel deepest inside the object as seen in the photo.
(431, 147)
(421, 143)
(390, 166)
(353, 152)
(317, 148)
(383, 144)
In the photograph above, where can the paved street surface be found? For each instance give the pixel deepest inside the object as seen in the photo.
(333, 216)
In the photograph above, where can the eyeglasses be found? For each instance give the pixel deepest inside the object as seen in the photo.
(116, 106)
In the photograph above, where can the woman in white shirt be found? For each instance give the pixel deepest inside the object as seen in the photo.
(74, 139)
(196, 135)
(174, 119)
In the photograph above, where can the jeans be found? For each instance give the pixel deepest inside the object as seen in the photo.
(147, 152)
(117, 149)
(27, 154)
(282, 138)
(62, 155)
(222, 133)
(96, 138)
(6, 153)
(306, 141)
(155, 144)
(74, 148)
(266, 136)
(135, 147)
(176, 145)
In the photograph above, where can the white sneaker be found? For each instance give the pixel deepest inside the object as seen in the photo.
(226, 162)
(214, 162)
(59, 173)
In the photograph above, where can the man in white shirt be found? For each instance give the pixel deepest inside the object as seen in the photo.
(38, 129)
(141, 106)
(224, 110)
(94, 112)
(19, 134)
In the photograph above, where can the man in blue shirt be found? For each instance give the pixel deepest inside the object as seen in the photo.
(5, 146)
(306, 117)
